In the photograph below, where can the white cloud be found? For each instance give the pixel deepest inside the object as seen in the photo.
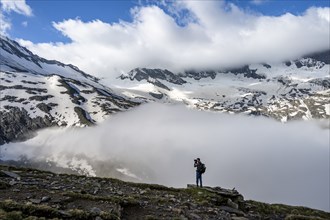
(24, 23)
(7, 6)
(215, 34)
(258, 2)
(18, 6)
(269, 161)
(5, 24)
(323, 13)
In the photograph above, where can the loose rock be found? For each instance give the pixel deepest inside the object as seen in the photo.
(45, 199)
(11, 174)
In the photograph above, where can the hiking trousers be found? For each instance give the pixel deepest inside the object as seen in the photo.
(199, 178)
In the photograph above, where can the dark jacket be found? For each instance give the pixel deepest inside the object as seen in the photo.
(199, 166)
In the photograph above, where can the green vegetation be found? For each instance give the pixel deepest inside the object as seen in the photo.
(39, 195)
(4, 185)
(10, 210)
(204, 197)
(292, 212)
(154, 187)
(121, 200)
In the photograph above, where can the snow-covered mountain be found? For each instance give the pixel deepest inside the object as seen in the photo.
(37, 93)
(297, 89)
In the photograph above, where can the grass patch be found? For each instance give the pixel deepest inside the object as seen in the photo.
(4, 185)
(292, 212)
(153, 187)
(121, 200)
(204, 197)
(10, 210)
(27, 210)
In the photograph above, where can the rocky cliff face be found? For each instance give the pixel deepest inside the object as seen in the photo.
(17, 125)
(154, 76)
(35, 194)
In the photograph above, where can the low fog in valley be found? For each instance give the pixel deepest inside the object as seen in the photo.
(264, 159)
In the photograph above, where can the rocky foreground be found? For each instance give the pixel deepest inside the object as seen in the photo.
(33, 194)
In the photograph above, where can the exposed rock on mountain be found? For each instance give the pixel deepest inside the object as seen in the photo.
(323, 56)
(154, 76)
(247, 72)
(197, 75)
(37, 93)
(297, 89)
(17, 125)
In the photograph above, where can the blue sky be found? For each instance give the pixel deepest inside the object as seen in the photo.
(38, 27)
(177, 35)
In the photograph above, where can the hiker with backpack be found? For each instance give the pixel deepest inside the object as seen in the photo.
(200, 169)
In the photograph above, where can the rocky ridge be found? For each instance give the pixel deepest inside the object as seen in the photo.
(293, 90)
(37, 93)
(154, 76)
(33, 194)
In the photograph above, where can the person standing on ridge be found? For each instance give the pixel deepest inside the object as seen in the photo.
(200, 169)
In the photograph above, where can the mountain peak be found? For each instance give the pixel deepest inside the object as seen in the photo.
(15, 57)
(38, 93)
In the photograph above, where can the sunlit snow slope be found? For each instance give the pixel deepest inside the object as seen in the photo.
(37, 93)
(298, 89)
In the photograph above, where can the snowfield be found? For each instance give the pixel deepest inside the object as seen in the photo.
(37, 93)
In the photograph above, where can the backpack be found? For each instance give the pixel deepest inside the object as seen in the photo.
(203, 168)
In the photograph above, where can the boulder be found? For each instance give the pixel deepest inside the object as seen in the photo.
(11, 174)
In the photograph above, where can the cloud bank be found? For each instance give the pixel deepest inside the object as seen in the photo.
(7, 6)
(18, 6)
(185, 35)
(269, 161)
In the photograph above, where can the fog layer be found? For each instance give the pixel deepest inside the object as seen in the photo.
(264, 159)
